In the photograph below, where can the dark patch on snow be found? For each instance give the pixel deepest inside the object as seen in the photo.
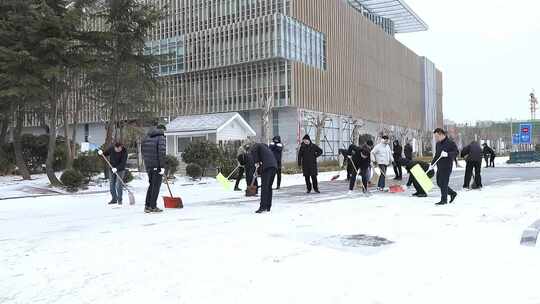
(361, 240)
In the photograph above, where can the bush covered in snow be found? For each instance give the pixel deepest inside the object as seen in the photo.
(72, 179)
(194, 171)
(88, 164)
(203, 153)
(171, 165)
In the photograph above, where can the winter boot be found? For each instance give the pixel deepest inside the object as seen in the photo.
(156, 210)
(441, 203)
(452, 197)
(147, 209)
(112, 202)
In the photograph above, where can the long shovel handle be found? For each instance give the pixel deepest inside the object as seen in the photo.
(233, 171)
(433, 165)
(167, 183)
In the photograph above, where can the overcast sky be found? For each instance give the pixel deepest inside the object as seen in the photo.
(488, 51)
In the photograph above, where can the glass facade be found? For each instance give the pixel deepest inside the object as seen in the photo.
(171, 51)
(301, 43)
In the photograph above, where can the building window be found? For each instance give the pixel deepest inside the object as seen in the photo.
(301, 43)
(275, 122)
(171, 52)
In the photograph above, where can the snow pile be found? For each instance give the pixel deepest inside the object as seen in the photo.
(383, 249)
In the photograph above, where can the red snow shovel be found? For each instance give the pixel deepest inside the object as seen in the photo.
(252, 189)
(171, 201)
(396, 189)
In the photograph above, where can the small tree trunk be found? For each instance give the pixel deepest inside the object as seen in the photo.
(53, 117)
(17, 146)
(69, 155)
(139, 154)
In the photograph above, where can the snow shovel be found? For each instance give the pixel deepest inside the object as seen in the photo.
(341, 161)
(422, 178)
(171, 201)
(224, 181)
(252, 189)
(357, 172)
(530, 235)
(130, 194)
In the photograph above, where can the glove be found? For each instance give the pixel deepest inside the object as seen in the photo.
(430, 168)
(444, 154)
(162, 171)
(114, 170)
(99, 152)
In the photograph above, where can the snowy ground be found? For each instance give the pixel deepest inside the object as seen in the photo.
(389, 248)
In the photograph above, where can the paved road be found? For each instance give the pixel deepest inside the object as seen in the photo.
(338, 189)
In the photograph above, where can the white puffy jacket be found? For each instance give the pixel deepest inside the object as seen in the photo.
(382, 154)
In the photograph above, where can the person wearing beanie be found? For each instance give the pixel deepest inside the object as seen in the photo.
(307, 160)
(277, 148)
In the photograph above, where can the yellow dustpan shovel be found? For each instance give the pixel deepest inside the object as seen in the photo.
(422, 178)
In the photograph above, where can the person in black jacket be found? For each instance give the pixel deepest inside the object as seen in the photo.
(347, 162)
(117, 158)
(472, 154)
(277, 148)
(425, 166)
(446, 150)
(408, 151)
(307, 159)
(489, 155)
(265, 161)
(360, 158)
(397, 150)
(153, 152)
(248, 165)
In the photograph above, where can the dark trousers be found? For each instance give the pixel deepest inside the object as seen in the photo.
(278, 174)
(350, 170)
(398, 170)
(239, 176)
(267, 179)
(492, 160)
(416, 185)
(116, 186)
(443, 178)
(308, 183)
(382, 178)
(364, 174)
(154, 179)
(476, 166)
(486, 158)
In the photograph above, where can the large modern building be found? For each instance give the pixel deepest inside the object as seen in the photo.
(328, 65)
(336, 60)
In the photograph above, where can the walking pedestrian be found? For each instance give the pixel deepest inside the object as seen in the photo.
(472, 153)
(408, 151)
(307, 159)
(277, 148)
(153, 152)
(347, 162)
(265, 161)
(117, 158)
(425, 166)
(445, 153)
(397, 151)
(381, 156)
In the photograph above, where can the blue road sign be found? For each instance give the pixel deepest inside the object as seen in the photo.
(515, 139)
(525, 133)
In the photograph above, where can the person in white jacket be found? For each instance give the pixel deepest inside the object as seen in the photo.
(381, 156)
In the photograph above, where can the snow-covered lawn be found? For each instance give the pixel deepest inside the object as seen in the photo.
(76, 249)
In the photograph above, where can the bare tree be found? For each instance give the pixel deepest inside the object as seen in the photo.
(266, 105)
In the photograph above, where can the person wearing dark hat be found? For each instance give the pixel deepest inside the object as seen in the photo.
(153, 152)
(307, 159)
(265, 161)
(118, 158)
(409, 164)
(248, 165)
(277, 148)
(445, 153)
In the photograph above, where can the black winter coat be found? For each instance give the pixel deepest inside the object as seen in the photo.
(154, 149)
(307, 158)
(118, 160)
(423, 164)
(277, 150)
(246, 161)
(472, 152)
(450, 147)
(488, 151)
(397, 151)
(262, 154)
(359, 162)
(408, 151)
